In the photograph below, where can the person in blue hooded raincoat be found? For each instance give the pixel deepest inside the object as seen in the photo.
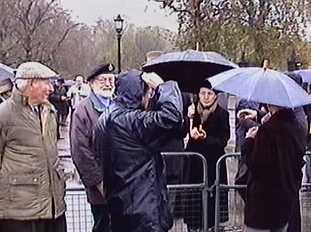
(129, 142)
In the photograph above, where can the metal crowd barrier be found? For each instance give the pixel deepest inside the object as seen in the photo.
(78, 214)
(235, 208)
(188, 202)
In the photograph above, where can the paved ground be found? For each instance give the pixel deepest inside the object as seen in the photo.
(63, 144)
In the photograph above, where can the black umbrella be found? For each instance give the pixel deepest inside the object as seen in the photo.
(189, 68)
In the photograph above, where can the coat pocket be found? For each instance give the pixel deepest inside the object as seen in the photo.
(23, 191)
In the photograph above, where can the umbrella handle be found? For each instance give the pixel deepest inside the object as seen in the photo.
(196, 117)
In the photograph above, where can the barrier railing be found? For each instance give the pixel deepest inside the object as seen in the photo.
(188, 202)
(78, 215)
(236, 204)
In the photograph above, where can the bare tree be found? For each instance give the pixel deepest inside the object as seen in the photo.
(8, 40)
(43, 31)
(256, 28)
(136, 41)
(78, 53)
(41, 28)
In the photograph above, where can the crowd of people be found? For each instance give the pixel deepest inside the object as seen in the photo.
(119, 126)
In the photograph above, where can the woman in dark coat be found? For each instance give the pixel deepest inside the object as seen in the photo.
(59, 99)
(208, 139)
(274, 157)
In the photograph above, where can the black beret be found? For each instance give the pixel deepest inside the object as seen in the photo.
(206, 83)
(101, 69)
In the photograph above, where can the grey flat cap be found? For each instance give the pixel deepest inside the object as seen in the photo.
(34, 70)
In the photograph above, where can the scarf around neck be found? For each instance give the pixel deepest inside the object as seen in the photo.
(100, 103)
(205, 112)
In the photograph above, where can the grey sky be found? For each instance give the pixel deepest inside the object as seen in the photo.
(139, 12)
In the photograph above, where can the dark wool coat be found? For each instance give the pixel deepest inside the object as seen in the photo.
(274, 159)
(212, 148)
(175, 164)
(129, 143)
(82, 146)
(62, 107)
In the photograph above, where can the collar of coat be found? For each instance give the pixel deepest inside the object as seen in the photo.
(282, 114)
(21, 100)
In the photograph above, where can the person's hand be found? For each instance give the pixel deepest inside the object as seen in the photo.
(152, 79)
(202, 132)
(59, 165)
(63, 98)
(191, 111)
(100, 188)
(265, 118)
(251, 133)
(247, 114)
(196, 133)
(263, 109)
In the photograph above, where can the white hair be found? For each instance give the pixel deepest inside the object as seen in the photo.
(21, 84)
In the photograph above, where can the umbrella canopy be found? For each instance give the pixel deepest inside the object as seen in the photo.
(305, 74)
(6, 72)
(189, 68)
(261, 85)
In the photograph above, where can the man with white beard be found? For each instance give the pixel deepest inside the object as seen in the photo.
(84, 119)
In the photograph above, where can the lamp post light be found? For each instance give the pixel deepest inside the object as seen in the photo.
(119, 28)
(294, 63)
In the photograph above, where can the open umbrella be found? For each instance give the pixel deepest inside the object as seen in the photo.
(6, 72)
(189, 68)
(305, 74)
(261, 85)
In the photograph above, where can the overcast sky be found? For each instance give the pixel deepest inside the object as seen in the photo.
(139, 12)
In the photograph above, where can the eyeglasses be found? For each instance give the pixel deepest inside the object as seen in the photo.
(105, 77)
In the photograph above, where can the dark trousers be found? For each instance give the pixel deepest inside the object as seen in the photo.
(121, 223)
(43, 225)
(58, 125)
(294, 223)
(101, 218)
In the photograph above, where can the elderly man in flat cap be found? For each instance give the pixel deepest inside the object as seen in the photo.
(84, 119)
(31, 179)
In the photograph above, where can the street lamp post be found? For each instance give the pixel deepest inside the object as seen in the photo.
(294, 63)
(119, 28)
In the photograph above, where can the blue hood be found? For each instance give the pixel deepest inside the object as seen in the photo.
(130, 89)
